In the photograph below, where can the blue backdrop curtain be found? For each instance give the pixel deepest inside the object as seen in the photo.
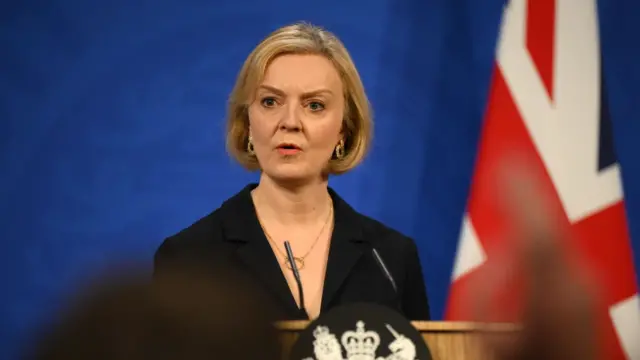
(112, 125)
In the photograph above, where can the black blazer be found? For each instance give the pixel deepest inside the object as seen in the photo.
(233, 233)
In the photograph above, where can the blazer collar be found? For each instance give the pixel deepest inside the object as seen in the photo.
(241, 225)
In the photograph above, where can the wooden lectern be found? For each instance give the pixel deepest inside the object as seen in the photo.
(446, 340)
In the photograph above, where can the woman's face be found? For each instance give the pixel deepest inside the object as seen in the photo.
(296, 118)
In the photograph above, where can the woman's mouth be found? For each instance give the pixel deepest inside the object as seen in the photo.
(288, 149)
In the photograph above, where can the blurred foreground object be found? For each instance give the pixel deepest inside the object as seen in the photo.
(186, 314)
(558, 300)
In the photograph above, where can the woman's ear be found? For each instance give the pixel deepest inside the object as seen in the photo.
(342, 134)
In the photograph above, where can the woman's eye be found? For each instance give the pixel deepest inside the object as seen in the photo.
(268, 102)
(316, 106)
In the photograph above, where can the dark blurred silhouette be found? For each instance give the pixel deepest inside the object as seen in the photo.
(187, 313)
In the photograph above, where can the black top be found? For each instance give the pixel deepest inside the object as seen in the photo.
(232, 234)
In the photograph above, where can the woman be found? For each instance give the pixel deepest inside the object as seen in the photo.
(299, 113)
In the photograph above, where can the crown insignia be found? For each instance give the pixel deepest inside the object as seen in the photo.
(360, 344)
(326, 345)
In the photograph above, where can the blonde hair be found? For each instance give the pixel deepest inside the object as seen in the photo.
(301, 38)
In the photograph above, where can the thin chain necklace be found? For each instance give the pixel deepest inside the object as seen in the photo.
(299, 260)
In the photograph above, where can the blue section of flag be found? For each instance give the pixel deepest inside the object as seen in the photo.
(606, 151)
(618, 26)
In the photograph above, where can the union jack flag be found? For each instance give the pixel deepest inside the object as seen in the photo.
(548, 99)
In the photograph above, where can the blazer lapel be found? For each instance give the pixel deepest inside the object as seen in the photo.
(260, 259)
(242, 227)
(347, 246)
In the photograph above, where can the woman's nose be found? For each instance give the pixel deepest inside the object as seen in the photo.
(291, 118)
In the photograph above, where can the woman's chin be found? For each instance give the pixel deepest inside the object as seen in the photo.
(291, 174)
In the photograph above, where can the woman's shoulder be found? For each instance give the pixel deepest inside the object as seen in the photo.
(381, 235)
(205, 231)
(191, 242)
(384, 235)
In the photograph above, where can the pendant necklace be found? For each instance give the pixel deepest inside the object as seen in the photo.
(299, 260)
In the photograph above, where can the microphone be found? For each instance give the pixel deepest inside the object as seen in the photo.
(296, 274)
(386, 273)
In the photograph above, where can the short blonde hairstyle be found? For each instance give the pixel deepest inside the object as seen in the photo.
(301, 38)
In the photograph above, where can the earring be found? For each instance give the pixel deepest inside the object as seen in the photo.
(250, 149)
(340, 149)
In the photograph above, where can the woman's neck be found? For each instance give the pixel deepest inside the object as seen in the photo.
(291, 205)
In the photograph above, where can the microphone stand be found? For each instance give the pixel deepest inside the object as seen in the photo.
(296, 275)
(388, 275)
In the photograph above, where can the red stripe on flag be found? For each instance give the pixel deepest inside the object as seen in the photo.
(540, 38)
(604, 241)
